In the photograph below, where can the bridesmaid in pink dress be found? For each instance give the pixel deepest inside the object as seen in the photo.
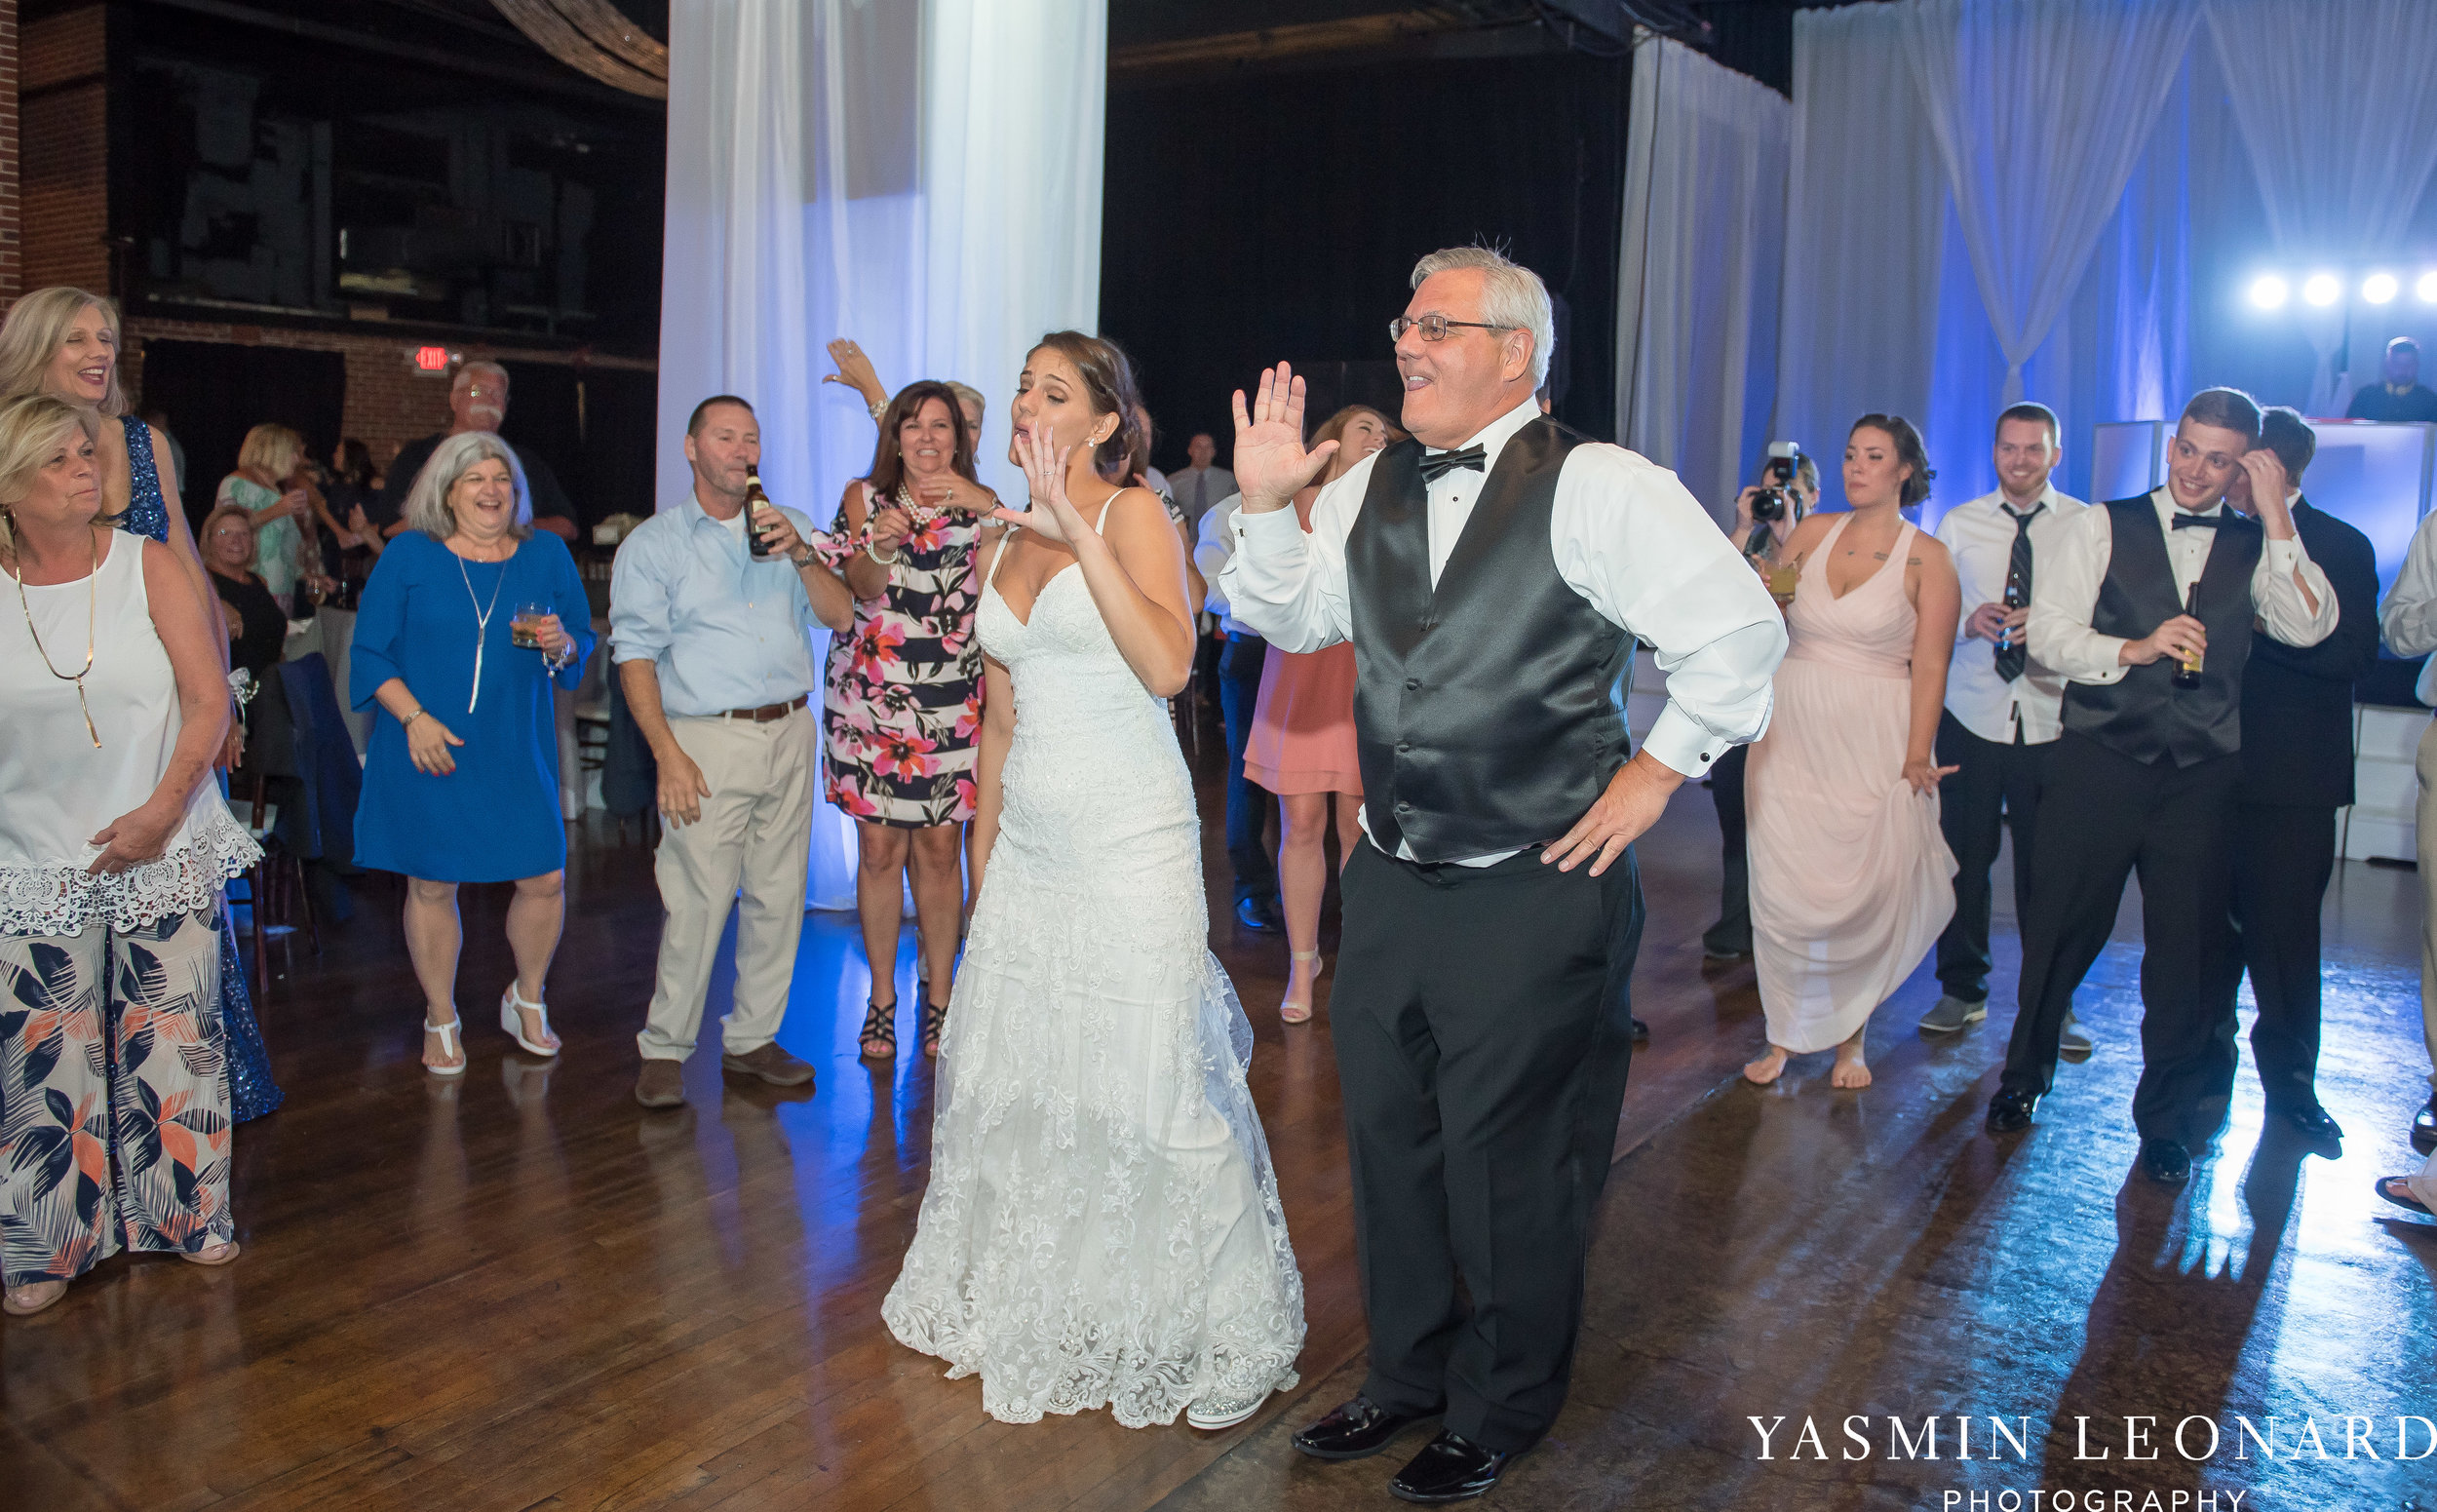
(1301, 745)
(1851, 880)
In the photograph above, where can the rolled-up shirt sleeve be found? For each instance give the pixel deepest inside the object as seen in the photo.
(638, 603)
(2409, 621)
(2277, 597)
(1288, 584)
(1630, 538)
(2064, 591)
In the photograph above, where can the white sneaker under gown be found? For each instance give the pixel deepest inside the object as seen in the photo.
(1102, 1226)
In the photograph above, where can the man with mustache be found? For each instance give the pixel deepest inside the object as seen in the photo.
(1492, 573)
(478, 400)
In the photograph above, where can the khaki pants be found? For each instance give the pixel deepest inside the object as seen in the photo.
(2425, 843)
(755, 832)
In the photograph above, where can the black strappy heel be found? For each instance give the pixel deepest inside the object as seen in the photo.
(879, 1023)
(934, 1021)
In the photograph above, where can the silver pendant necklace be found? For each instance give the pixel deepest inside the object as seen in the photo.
(481, 622)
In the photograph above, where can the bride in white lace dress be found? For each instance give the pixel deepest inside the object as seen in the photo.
(1103, 1225)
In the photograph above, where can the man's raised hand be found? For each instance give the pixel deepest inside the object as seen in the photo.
(1271, 460)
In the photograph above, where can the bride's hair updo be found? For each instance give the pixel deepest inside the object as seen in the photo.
(1108, 380)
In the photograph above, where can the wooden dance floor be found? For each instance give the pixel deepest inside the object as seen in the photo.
(518, 1289)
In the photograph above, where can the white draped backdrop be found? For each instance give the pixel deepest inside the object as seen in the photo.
(923, 176)
(2060, 200)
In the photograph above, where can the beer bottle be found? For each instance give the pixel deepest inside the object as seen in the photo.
(755, 501)
(2015, 599)
(2186, 673)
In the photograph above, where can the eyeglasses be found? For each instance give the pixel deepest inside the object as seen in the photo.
(1435, 326)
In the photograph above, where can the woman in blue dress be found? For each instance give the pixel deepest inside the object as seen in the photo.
(461, 781)
(66, 342)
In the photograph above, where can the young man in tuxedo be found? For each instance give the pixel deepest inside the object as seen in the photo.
(2297, 772)
(2003, 712)
(2138, 592)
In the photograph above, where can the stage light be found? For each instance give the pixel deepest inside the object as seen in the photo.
(2322, 287)
(2379, 289)
(2427, 289)
(2268, 290)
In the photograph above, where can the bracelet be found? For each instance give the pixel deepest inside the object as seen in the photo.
(411, 719)
(803, 559)
(879, 408)
(888, 560)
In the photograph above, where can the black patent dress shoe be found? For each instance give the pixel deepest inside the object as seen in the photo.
(1355, 1429)
(1641, 1032)
(1449, 1468)
(2165, 1161)
(2424, 1128)
(1257, 913)
(2009, 1113)
(2311, 1121)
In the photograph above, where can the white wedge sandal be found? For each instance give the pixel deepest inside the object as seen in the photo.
(449, 1045)
(512, 1019)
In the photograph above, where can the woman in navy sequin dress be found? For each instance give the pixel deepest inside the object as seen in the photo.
(65, 341)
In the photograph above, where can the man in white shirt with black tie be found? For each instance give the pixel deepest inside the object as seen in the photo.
(2147, 607)
(1493, 572)
(2004, 710)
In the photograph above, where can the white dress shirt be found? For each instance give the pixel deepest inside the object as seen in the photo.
(2065, 590)
(1625, 534)
(1980, 537)
(1199, 489)
(2410, 618)
(1214, 545)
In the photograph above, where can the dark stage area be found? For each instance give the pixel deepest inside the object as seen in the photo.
(520, 1290)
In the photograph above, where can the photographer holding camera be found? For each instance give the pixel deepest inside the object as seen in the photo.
(1765, 515)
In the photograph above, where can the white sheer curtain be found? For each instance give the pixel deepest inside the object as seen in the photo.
(1865, 211)
(2334, 104)
(2039, 109)
(922, 176)
(1705, 196)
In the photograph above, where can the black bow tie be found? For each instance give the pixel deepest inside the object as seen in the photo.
(1436, 464)
(2184, 521)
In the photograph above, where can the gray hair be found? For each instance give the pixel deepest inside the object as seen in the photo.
(1511, 296)
(479, 365)
(427, 502)
(970, 394)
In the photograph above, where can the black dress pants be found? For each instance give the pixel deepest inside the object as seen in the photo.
(1248, 804)
(2104, 816)
(1484, 1028)
(1731, 934)
(1995, 788)
(2283, 858)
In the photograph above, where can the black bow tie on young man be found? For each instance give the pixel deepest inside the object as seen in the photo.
(2184, 521)
(1436, 464)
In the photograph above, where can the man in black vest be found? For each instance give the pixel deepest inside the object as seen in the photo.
(2297, 772)
(1492, 573)
(2147, 609)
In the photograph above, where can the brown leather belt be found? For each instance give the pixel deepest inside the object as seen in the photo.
(768, 712)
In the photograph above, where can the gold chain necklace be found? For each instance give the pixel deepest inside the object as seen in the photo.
(93, 589)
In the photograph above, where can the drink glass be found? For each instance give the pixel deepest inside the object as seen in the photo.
(525, 628)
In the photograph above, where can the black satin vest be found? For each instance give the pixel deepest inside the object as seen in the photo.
(2143, 714)
(1482, 709)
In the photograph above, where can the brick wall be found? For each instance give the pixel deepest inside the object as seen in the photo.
(388, 400)
(63, 194)
(12, 257)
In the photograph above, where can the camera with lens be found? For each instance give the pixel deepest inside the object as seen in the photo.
(1777, 499)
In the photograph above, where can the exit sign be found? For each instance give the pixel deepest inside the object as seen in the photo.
(431, 359)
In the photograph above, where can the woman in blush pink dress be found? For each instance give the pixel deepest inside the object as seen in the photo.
(1301, 746)
(1851, 880)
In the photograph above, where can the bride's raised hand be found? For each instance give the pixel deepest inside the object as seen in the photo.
(1044, 464)
(1271, 460)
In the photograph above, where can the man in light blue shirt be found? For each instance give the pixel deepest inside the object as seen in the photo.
(711, 650)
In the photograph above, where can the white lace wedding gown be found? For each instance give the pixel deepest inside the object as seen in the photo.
(1103, 1225)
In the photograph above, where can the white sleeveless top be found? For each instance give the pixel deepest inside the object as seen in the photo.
(56, 792)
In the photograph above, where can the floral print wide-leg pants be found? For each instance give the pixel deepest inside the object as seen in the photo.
(114, 1128)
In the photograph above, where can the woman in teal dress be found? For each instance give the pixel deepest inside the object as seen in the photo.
(461, 779)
